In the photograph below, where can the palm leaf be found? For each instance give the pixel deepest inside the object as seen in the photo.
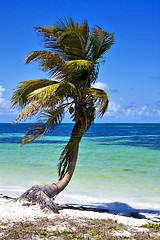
(72, 37)
(66, 90)
(20, 94)
(76, 65)
(29, 112)
(100, 96)
(44, 92)
(101, 43)
(33, 133)
(48, 61)
(52, 118)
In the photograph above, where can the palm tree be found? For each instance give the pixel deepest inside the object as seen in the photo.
(72, 57)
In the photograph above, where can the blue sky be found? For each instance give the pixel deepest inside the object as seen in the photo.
(131, 73)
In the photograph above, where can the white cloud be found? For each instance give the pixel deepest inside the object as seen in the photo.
(117, 110)
(5, 108)
(1, 91)
(2, 100)
(144, 108)
(101, 85)
(114, 109)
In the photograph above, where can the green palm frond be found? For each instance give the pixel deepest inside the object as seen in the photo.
(45, 98)
(50, 40)
(66, 23)
(47, 33)
(79, 64)
(33, 133)
(52, 118)
(66, 90)
(47, 61)
(21, 92)
(99, 96)
(44, 92)
(101, 43)
(71, 38)
(29, 112)
(84, 32)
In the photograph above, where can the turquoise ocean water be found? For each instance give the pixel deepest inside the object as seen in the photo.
(116, 163)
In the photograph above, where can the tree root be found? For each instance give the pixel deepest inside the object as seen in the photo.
(41, 194)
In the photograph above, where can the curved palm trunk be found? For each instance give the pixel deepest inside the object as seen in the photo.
(43, 194)
(61, 184)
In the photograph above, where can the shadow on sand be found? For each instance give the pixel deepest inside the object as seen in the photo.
(117, 208)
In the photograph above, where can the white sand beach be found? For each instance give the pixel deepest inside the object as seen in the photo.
(11, 211)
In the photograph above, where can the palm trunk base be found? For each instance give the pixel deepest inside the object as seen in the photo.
(41, 194)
